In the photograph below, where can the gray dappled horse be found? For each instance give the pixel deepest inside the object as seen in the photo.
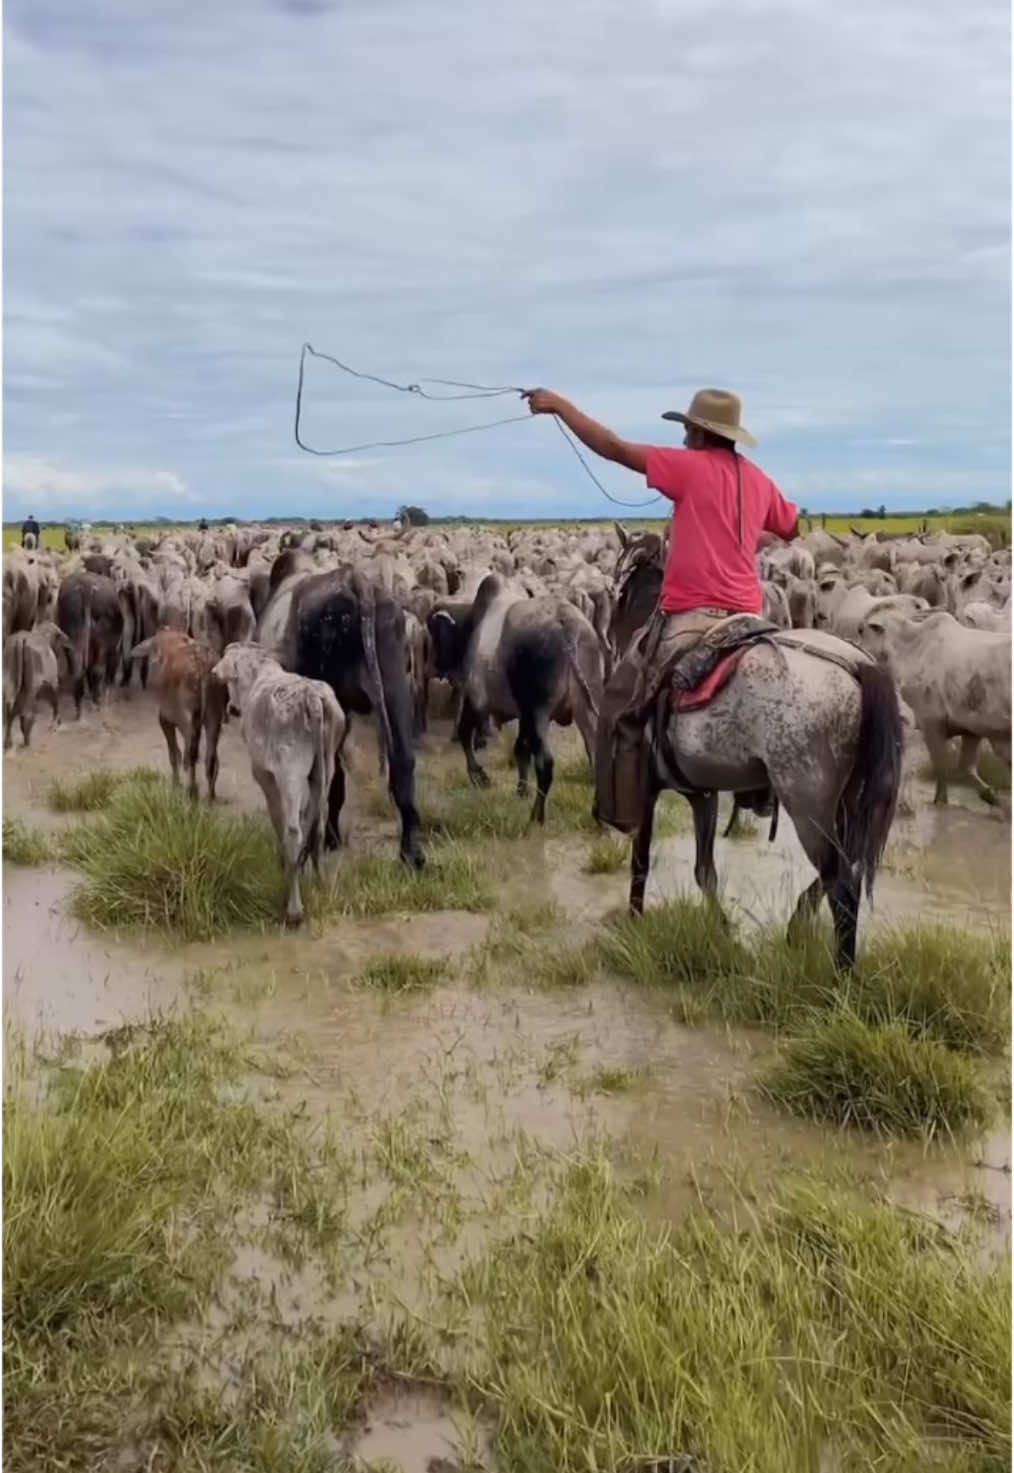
(815, 720)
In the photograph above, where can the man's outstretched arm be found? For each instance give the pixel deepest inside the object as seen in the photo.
(595, 436)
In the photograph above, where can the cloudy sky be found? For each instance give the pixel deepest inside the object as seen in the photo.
(804, 200)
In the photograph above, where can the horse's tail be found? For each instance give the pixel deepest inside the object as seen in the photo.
(868, 804)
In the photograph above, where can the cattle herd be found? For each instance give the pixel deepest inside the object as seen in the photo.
(296, 632)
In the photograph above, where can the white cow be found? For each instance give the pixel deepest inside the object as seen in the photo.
(956, 680)
(294, 729)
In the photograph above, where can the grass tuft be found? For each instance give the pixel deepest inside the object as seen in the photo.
(397, 972)
(879, 1078)
(96, 791)
(374, 884)
(825, 1332)
(681, 943)
(156, 859)
(24, 845)
(942, 983)
(606, 856)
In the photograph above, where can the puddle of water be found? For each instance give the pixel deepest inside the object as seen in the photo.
(58, 977)
(948, 865)
(414, 1431)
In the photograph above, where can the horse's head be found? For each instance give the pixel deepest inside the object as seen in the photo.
(638, 581)
(642, 549)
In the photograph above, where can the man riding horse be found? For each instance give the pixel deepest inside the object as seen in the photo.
(722, 502)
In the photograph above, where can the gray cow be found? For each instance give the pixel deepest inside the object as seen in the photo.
(294, 729)
(32, 671)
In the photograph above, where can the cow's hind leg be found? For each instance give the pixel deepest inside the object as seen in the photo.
(522, 761)
(285, 816)
(468, 727)
(169, 732)
(533, 727)
(968, 758)
(335, 803)
(193, 751)
(940, 757)
(214, 712)
(26, 721)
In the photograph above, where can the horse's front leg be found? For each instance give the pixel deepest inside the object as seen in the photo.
(640, 852)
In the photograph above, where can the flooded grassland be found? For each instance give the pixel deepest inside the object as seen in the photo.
(470, 1173)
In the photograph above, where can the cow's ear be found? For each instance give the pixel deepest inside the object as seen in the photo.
(969, 579)
(621, 534)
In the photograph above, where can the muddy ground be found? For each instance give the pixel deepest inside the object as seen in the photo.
(499, 1058)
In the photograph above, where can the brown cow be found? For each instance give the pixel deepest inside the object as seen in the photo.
(190, 700)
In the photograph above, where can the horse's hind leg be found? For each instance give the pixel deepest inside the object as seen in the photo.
(704, 807)
(815, 825)
(806, 908)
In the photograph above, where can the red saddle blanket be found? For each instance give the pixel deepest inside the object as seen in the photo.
(706, 690)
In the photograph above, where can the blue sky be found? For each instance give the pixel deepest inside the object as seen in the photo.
(803, 200)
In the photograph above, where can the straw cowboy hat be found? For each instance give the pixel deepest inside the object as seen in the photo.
(717, 410)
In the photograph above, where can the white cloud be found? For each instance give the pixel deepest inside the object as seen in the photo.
(52, 489)
(809, 205)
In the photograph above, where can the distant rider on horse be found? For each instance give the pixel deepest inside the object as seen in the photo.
(722, 502)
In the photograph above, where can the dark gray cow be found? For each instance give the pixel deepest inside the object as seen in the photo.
(89, 613)
(533, 660)
(342, 629)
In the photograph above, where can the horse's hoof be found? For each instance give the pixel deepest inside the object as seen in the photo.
(414, 858)
(293, 920)
(989, 797)
(522, 788)
(478, 777)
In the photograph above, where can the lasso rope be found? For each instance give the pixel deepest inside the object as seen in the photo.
(470, 391)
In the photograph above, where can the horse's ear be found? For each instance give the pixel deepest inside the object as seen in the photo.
(621, 534)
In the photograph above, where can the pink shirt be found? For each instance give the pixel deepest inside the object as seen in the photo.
(712, 549)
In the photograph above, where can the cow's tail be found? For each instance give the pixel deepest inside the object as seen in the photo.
(574, 660)
(142, 651)
(16, 646)
(868, 804)
(374, 679)
(84, 648)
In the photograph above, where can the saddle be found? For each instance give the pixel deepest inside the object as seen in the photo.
(700, 672)
(695, 677)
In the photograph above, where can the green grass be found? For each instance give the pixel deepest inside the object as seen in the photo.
(893, 1047)
(606, 855)
(124, 1186)
(24, 845)
(375, 884)
(84, 794)
(940, 982)
(398, 972)
(878, 1077)
(154, 859)
(825, 1332)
